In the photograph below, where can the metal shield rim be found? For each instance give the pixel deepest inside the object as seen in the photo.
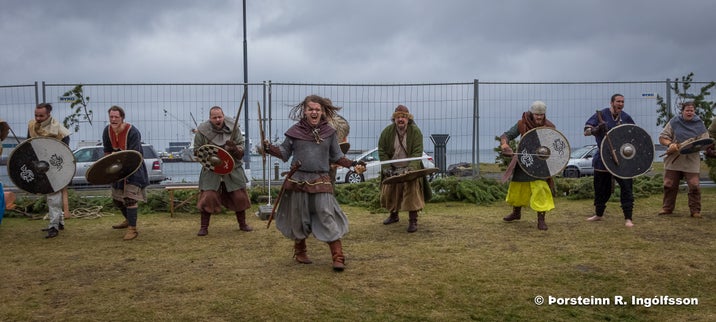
(569, 147)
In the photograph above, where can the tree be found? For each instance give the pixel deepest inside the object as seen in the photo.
(704, 108)
(502, 160)
(79, 106)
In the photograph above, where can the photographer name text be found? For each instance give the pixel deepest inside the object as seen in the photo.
(661, 300)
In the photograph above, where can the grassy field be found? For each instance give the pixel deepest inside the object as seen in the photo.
(464, 263)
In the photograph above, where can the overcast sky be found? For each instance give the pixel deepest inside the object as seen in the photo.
(377, 41)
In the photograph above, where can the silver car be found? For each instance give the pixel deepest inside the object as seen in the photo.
(580, 162)
(86, 156)
(372, 161)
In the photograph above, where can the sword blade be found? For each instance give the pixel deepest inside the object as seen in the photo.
(402, 160)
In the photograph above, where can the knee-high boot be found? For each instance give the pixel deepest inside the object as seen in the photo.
(412, 221)
(541, 225)
(299, 252)
(337, 252)
(241, 218)
(515, 215)
(204, 228)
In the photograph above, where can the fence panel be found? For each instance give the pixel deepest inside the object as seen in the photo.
(472, 113)
(17, 107)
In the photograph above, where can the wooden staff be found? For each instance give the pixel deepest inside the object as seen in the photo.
(262, 133)
(294, 167)
(609, 140)
(66, 202)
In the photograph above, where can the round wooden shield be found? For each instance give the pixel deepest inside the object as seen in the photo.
(114, 167)
(410, 175)
(41, 165)
(543, 152)
(215, 159)
(627, 151)
(694, 146)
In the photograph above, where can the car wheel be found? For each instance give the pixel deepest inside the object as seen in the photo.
(571, 173)
(354, 177)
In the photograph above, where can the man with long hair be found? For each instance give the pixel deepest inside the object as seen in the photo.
(308, 204)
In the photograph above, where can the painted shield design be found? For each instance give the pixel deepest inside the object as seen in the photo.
(627, 151)
(114, 167)
(543, 152)
(41, 165)
(215, 159)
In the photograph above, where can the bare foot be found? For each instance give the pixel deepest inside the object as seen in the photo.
(628, 223)
(594, 218)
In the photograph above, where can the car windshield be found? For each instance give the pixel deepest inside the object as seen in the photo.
(578, 153)
(148, 152)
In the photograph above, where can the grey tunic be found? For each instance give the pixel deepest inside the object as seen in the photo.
(301, 213)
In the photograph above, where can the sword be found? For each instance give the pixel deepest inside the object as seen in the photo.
(196, 125)
(13, 134)
(402, 160)
(238, 113)
(294, 167)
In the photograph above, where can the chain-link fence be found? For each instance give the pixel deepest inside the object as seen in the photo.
(471, 113)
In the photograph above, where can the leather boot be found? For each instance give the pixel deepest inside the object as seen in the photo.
(131, 233)
(123, 225)
(515, 215)
(204, 226)
(337, 252)
(52, 232)
(412, 221)
(241, 218)
(299, 252)
(392, 219)
(541, 225)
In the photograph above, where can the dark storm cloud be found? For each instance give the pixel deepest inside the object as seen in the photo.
(355, 41)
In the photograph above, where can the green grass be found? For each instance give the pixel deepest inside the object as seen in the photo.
(464, 263)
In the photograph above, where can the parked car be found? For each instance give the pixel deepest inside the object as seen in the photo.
(580, 162)
(372, 161)
(86, 156)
